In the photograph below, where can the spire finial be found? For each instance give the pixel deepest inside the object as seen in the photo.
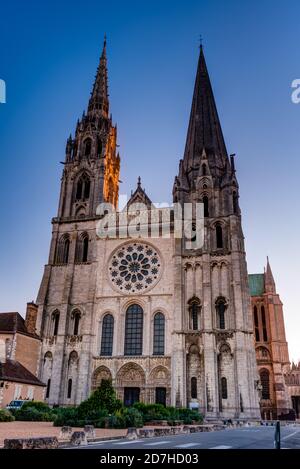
(201, 41)
(139, 181)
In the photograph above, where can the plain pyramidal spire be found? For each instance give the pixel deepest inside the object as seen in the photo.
(204, 131)
(269, 279)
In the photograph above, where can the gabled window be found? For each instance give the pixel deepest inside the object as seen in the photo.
(87, 147)
(204, 169)
(83, 188)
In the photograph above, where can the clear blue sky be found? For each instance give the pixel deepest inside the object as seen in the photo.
(49, 52)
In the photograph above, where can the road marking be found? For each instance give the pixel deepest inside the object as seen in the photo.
(128, 442)
(187, 445)
(157, 443)
(221, 447)
(289, 436)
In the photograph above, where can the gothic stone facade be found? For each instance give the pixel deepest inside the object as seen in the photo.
(165, 323)
(271, 347)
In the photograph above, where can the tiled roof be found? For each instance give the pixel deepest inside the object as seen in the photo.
(256, 284)
(14, 371)
(13, 322)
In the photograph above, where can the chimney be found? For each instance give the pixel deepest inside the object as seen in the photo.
(31, 316)
(2, 352)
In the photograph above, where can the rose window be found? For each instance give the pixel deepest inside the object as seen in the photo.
(135, 268)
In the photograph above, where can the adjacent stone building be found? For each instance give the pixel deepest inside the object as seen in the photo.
(271, 347)
(166, 321)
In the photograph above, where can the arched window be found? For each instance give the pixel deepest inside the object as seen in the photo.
(82, 248)
(55, 323)
(48, 388)
(76, 322)
(63, 248)
(264, 325)
(159, 334)
(256, 326)
(204, 171)
(235, 202)
(194, 388)
(85, 249)
(134, 331)
(69, 393)
(87, 144)
(66, 250)
(265, 383)
(107, 335)
(194, 309)
(206, 208)
(219, 236)
(83, 188)
(221, 308)
(79, 189)
(224, 392)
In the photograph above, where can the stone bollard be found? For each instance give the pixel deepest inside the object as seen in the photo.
(31, 443)
(89, 430)
(65, 433)
(78, 438)
(132, 433)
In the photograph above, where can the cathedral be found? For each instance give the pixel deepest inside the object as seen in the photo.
(166, 322)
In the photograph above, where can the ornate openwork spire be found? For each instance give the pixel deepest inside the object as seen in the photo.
(99, 101)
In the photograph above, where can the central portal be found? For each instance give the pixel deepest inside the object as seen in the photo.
(131, 395)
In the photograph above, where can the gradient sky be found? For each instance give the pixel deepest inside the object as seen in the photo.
(49, 52)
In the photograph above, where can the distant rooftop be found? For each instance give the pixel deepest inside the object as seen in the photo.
(13, 371)
(256, 284)
(12, 323)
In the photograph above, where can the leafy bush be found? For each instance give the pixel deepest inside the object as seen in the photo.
(133, 418)
(31, 414)
(171, 414)
(116, 420)
(38, 405)
(64, 416)
(6, 416)
(104, 398)
(152, 411)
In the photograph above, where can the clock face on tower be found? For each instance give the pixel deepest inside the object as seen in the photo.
(134, 268)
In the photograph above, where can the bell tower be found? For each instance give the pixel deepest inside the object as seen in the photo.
(92, 163)
(213, 348)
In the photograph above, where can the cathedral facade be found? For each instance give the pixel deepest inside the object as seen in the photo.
(166, 322)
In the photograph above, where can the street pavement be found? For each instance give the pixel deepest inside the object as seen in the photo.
(258, 437)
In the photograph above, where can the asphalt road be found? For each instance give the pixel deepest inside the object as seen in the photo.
(241, 438)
